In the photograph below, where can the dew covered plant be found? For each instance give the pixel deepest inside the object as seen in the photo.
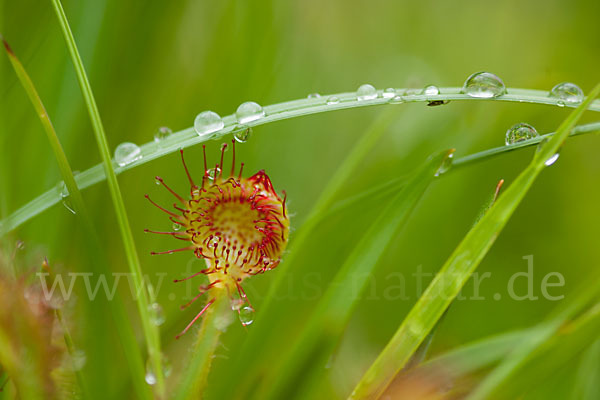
(290, 344)
(239, 226)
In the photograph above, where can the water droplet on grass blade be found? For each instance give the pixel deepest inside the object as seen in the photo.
(333, 100)
(161, 134)
(567, 93)
(247, 315)
(208, 122)
(65, 199)
(151, 375)
(249, 111)
(389, 93)
(243, 134)
(157, 315)
(397, 99)
(446, 165)
(552, 159)
(431, 90)
(520, 132)
(366, 92)
(126, 153)
(484, 85)
(314, 96)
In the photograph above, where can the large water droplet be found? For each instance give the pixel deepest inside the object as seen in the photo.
(431, 90)
(126, 153)
(249, 111)
(247, 315)
(389, 93)
(484, 85)
(568, 93)
(366, 92)
(208, 122)
(161, 134)
(243, 134)
(157, 315)
(314, 96)
(176, 226)
(333, 100)
(520, 132)
(151, 375)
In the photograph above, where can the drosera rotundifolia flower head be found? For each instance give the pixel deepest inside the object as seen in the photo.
(239, 226)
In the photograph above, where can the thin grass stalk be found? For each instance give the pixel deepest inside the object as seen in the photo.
(99, 262)
(151, 335)
(459, 267)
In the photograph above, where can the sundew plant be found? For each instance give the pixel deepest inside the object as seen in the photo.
(299, 200)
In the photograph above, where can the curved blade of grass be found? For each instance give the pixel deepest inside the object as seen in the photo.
(151, 334)
(514, 364)
(327, 323)
(99, 262)
(587, 385)
(275, 112)
(479, 354)
(551, 355)
(61, 158)
(459, 267)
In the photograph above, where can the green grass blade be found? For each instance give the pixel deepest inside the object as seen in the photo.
(151, 334)
(474, 356)
(277, 112)
(501, 376)
(328, 321)
(587, 385)
(36, 101)
(551, 355)
(459, 267)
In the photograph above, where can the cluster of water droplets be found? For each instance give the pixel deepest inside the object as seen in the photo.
(484, 85)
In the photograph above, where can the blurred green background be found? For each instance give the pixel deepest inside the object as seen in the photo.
(157, 63)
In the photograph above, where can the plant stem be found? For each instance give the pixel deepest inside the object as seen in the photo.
(150, 333)
(276, 112)
(194, 380)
